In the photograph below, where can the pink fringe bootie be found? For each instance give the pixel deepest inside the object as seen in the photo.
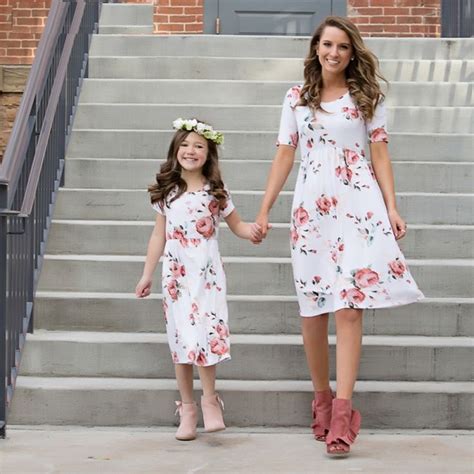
(212, 410)
(322, 408)
(188, 416)
(345, 426)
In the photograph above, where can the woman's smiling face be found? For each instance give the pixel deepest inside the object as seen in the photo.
(334, 50)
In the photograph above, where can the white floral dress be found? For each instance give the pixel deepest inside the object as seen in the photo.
(193, 280)
(344, 253)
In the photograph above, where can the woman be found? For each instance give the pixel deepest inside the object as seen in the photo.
(344, 222)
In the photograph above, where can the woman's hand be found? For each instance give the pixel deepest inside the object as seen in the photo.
(255, 233)
(399, 226)
(262, 222)
(143, 288)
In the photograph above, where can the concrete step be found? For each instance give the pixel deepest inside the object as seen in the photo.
(257, 144)
(245, 275)
(273, 46)
(125, 402)
(126, 29)
(121, 66)
(120, 204)
(147, 355)
(421, 176)
(113, 14)
(131, 238)
(191, 91)
(264, 117)
(257, 314)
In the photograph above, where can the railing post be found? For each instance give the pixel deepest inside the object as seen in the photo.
(3, 312)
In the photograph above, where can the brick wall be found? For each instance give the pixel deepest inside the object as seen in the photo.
(396, 17)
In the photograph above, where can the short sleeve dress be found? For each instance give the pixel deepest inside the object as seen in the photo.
(344, 253)
(193, 279)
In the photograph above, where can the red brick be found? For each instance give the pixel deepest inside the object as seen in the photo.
(171, 10)
(424, 11)
(28, 21)
(161, 18)
(193, 10)
(409, 19)
(369, 11)
(23, 12)
(193, 27)
(5, 18)
(163, 2)
(397, 28)
(3, 35)
(5, 10)
(427, 29)
(11, 43)
(29, 44)
(358, 20)
(170, 27)
(431, 20)
(382, 19)
(191, 3)
(395, 11)
(19, 52)
(40, 12)
(359, 3)
(383, 3)
(370, 28)
(182, 18)
(21, 36)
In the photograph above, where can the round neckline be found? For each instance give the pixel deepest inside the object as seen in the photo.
(336, 100)
(200, 190)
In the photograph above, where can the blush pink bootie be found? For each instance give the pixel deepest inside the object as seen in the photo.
(187, 421)
(212, 411)
(345, 426)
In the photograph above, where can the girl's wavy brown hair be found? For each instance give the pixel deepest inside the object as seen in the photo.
(362, 73)
(169, 177)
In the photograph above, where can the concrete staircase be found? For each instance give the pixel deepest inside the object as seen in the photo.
(100, 357)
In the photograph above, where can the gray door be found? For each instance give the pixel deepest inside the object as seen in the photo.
(457, 18)
(268, 17)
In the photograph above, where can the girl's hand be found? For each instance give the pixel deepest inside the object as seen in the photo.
(143, 288)
(255, 233)
(399, 226)
(262, 222)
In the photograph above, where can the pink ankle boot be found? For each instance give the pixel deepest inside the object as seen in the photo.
(212, 410)
(187, 421)
(322, 408)
(345, 426)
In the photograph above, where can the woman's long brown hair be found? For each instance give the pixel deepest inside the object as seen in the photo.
(362, 73)
(169, 180)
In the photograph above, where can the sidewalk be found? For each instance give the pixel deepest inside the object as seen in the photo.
(137, 450)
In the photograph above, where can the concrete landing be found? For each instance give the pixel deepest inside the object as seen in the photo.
(139, 450)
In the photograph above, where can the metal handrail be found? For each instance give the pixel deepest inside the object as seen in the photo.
(31, 172)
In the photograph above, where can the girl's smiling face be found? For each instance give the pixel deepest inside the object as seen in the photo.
(192, 153)
(334, 50)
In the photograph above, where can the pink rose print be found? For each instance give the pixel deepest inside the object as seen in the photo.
(378, 135)
(334, 201)
(351, 113)
(294, 236)
(175, 357)
(369, 214)
(201, 359)
(351, 157)
(219, 346)
(205, 226)
(191, 356)
(214, 207)
(172, 288)
(397, 268)
(344, 173)
(316, 278)
(324, 204)
(222, 330)
(366, 277)
(294, 139)
(309, 143)
(294, 94)
(353, 295)
(177, 270)
(301, 216)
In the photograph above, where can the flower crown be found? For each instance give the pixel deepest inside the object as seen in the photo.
(192, 125)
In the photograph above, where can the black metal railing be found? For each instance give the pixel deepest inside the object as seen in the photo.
(31, 172)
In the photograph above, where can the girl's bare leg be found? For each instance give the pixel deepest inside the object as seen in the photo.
(348, 350)
(184, 378)
(208, 379)
(315, 338)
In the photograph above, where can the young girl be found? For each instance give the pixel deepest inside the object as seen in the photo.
(190, 199)
(344, 222)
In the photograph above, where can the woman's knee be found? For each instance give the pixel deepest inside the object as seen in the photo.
(349, 316)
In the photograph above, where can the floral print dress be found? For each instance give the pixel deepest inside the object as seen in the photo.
(193, 279)
(344, 253)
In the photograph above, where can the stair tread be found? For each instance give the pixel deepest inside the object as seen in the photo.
(137, 384)
(109, 337)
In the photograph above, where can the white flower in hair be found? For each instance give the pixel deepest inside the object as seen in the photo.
(199, 127)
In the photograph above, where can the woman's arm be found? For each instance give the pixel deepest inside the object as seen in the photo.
(243, 229)
(281, 168)
(156, 246)
(384, 174)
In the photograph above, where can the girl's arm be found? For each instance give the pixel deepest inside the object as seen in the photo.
(384, 174)
(156, 246)
(242, 229)
(281, 168)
